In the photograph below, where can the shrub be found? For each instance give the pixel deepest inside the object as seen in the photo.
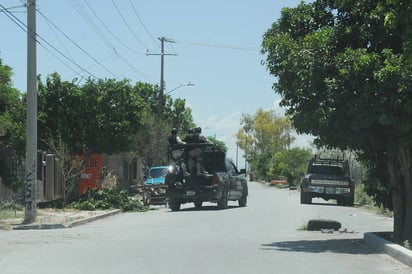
(103, 199)
(361, 197)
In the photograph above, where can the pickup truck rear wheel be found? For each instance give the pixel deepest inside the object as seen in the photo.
(174, 204)
(350, 201)
(305, 197)
(222, 203)
(243, 200)
(198, 204)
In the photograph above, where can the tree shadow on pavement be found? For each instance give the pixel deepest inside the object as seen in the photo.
(205, 208)
(344, 246)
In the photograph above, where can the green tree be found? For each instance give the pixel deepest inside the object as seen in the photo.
(99, 117)
(12, 128)
(261, 136)
(344, 75)
(151, 140)
(290, 164)
(178, 114)
(218, 143)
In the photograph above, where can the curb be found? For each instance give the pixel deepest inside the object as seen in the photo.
(396, 251)
(69, 224)
(93, 218)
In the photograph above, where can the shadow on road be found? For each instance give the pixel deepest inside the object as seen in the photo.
(204, 208)
(344, 246)
(323, 204)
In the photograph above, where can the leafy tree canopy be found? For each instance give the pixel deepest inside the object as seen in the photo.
(217, 142)
(345, 75)
(100, 116)
(12, 126)
(290, 164)
(262, 136)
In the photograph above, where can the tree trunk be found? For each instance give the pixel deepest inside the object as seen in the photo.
(406, 170)
(407, 227)
(397, 198)
(398, 215)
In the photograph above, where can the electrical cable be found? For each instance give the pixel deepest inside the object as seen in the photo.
(141, 21)
(83, 13)
(24, 27)
(216, 45)
(14, 7)
(111, 33)
(77, 45)
(128, 26)
(125, 60)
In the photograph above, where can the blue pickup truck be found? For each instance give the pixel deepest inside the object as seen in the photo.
(156, 176)
(217, 180)
(154, 185)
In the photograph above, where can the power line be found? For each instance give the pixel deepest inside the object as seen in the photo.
(125, 60)
(13, 18)
(77, 45)
(14, 7)
(24, 27)
(141, 21)
(162, 55)
(111, 33)
(216, 45)
(128, 26)
(83, 13)
(59, 40)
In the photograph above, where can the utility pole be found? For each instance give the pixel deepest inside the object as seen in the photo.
(31, 137)
(162, 55)
(162, 63)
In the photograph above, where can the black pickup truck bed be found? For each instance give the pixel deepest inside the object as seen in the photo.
(219, 181)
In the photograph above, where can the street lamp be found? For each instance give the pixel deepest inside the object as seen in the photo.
(182, 85)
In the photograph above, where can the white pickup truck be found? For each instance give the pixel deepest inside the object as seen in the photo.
(328, 179)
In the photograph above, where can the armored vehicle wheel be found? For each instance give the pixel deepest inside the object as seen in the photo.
(243, 200)
(174, 204)
(305, 197)
(222, 203)
(198, 204)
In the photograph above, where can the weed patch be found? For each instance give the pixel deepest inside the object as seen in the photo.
(104, 199)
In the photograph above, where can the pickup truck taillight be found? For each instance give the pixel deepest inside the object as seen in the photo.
(216, 180)
(310, 179)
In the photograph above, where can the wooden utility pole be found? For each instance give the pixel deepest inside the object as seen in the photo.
(31, 137)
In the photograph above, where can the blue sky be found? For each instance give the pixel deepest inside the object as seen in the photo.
(216, 42)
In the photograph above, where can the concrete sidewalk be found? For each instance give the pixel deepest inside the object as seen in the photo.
(53, 219)
(396, 251)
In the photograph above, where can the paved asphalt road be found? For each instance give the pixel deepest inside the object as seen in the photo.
(261, 238)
